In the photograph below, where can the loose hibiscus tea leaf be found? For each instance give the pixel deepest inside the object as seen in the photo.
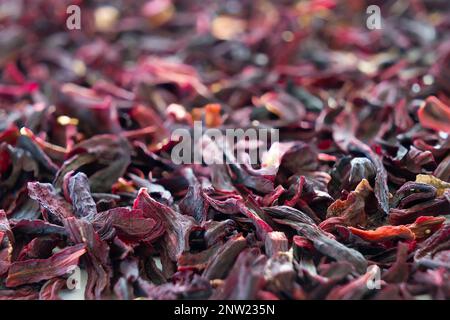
(263, 150)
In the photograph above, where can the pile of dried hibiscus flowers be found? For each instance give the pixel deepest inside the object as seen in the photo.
(352, 206)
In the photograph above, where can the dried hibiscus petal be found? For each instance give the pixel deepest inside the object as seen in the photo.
(177, 226)
(80, 195)
(228, 150)
(35, 270)
(384, 233)
(435, 114)
(350, 211)
(131, 224)
(97, 258)
(425, 226)
(51, 288)
(49, 199)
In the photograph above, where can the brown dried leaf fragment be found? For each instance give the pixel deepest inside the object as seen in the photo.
(441, 186)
